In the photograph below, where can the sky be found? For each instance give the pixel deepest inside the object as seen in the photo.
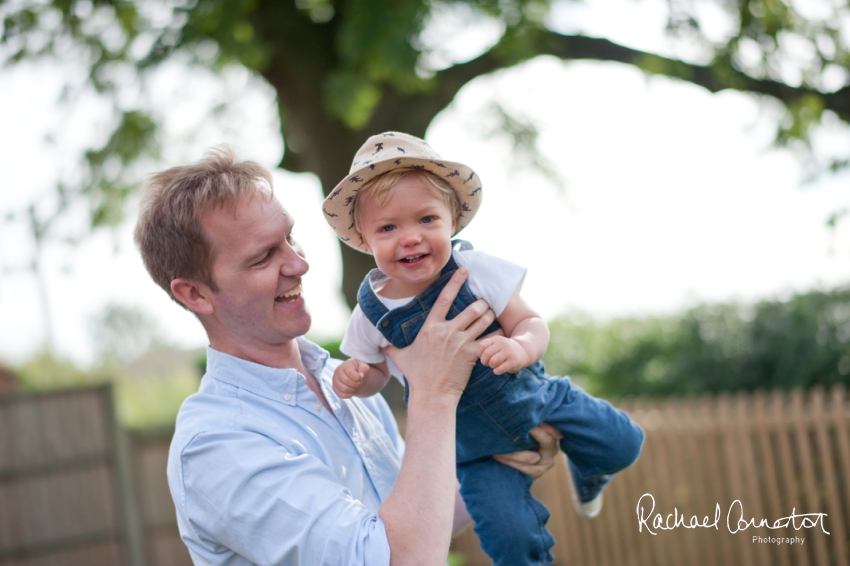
(671, 196)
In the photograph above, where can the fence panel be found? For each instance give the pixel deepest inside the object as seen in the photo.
(750, 459)
(62, 484)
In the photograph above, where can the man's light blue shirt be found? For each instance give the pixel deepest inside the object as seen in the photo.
(262, 473)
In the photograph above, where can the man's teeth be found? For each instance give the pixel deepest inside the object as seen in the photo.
(291, 293)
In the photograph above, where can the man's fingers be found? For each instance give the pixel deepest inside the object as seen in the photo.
(528, 462)
(448, 294)
(546, 434)
(475, 319)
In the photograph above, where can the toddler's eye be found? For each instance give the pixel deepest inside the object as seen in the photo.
(387, 228)
(427, 219)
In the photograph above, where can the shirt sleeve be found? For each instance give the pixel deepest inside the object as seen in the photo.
(379, 407)
(362, 340)
(491, 278)
(273, 507)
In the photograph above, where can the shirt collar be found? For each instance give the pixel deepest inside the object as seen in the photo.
(273, 383)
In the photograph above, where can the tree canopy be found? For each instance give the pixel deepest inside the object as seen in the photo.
(344, 69)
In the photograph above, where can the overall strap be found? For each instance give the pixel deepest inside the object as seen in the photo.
(371, 305)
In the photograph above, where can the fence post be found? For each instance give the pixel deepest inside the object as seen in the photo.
(134, 544)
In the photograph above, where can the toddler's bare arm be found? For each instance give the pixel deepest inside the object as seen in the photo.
(525, 340)
(355, 378)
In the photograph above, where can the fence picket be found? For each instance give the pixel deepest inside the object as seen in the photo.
(840, 421)
(752, 474)
(767, 467)
(804, 450)
(827, 476)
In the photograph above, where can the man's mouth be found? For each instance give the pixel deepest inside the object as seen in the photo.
(290, 295)
(412, 258)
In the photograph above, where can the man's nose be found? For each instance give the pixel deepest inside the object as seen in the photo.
(294, 264)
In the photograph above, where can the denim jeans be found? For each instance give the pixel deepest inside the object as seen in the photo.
(494, 416)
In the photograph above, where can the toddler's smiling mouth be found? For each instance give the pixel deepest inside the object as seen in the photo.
(412, 258)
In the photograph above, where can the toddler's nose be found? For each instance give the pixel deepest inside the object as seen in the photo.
(411, 238)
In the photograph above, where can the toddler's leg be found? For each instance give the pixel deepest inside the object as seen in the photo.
(510, 523)
(598, 438)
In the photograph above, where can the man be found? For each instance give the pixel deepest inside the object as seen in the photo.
(267, 464)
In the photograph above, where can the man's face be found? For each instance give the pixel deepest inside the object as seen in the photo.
(257, 268)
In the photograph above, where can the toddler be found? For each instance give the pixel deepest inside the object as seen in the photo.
(403, 204)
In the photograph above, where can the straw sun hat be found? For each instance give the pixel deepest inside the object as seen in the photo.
(393, 150)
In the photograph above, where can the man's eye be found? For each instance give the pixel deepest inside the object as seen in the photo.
(265, 258)
(387, 228)
(290, 239)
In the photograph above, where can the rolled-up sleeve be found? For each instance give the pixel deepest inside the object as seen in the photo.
(243, 492)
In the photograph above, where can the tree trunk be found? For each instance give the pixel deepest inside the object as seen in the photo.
(303, 56)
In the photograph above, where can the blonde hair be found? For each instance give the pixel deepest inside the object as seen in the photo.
(169, 233)
(378, 190)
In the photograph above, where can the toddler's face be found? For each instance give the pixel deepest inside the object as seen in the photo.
(410, 236)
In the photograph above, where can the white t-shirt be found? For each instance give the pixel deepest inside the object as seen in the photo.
(490, 278)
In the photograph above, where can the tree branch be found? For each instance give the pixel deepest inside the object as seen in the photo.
(713, 78)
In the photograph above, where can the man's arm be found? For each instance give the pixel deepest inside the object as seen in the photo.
(418, 515)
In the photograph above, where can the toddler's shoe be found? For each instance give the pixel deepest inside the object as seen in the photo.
(586, 492)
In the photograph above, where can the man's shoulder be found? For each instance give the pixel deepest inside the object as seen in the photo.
(204, 411)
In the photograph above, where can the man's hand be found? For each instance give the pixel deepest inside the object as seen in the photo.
(348, 376)
(535, 463)
(440, 359)
(503, 354)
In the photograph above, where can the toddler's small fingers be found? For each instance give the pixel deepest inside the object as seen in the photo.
(502, 368)
(353, 376)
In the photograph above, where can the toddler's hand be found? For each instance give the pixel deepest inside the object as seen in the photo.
(502, 354)
(348, 376)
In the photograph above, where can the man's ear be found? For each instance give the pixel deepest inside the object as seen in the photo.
(193, 294)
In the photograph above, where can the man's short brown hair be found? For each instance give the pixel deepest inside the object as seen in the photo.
(169, 233)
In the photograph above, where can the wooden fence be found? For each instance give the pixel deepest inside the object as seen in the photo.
(774, 453)
(75, 490)
(63, 483)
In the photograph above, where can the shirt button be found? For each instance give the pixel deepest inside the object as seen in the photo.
(287, 396)
(317, 406)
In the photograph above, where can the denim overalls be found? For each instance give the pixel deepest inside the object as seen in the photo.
(494, 416)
